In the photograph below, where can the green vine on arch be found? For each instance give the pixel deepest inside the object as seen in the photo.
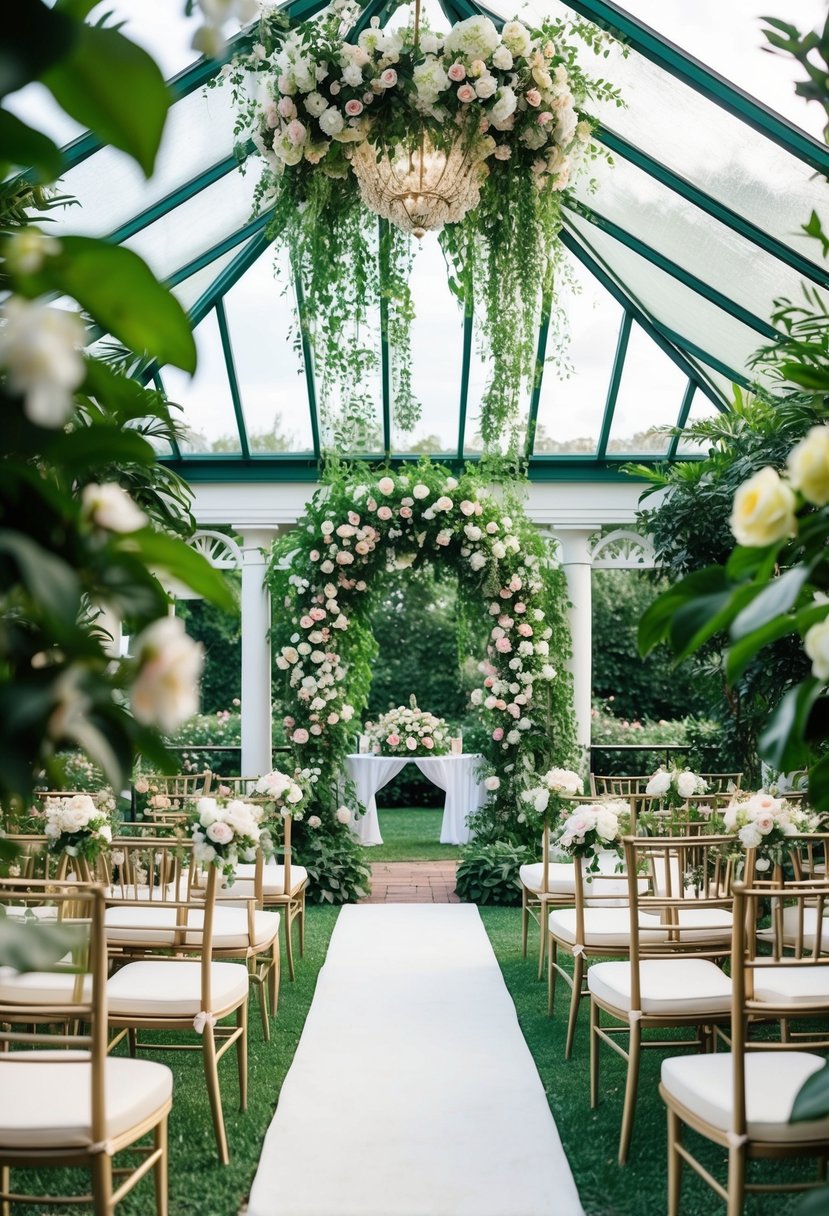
(328, 573)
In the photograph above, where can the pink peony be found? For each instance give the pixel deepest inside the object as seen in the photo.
(519, 608)
(503, 645)
(466, 93)
(525, 629)
(306, 622)
(428, 743)
(456, 72)
(498, 734)
(533, 97)
(393, 740)
(353, 108)
(300, 736)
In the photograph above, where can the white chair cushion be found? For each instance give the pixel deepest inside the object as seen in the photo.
(273, 879)
(702, 1084)
(561, 877)
(47, 1097)
(789, 985)
(141, 891)
(38, 911)
(710, 925)
(667, 986)
(792, 933)
(173, 989)
(43, 987)
(135, 923)
(603, 927)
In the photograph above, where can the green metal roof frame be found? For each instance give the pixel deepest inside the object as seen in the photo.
(251, 240)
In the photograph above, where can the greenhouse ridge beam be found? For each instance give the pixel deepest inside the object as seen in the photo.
(174, 199)
(737, 311)
(307, 363)
(705, 81)
(468, 326)
(711, 206)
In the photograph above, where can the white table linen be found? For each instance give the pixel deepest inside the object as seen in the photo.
(456, 775)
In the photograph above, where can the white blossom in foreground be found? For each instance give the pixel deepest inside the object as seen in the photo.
(109, 506)
(40, 349)
(166, 690)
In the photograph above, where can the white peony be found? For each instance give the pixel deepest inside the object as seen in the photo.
(659, 783)
(504, 105)
(331, 121)
(492, 783)
(688, 784)
(516, 38)
(429, 80)
(421, 491)
(749, 837)
(109, 506)
(166, 690)
(476, 37)
(502, 58)
(343, 814)
(763, 510)
(315, 104)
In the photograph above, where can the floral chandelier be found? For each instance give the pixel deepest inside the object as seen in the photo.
(473, 134)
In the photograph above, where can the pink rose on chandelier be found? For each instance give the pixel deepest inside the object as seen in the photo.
(388, 78)
(456, 72)
(353, 108)
(466, 93)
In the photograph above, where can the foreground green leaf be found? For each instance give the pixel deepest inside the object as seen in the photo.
(114, 88)
(22, 147)
(782, 742)
(32, 946)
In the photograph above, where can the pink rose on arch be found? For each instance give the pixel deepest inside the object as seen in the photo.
(316, 729)
(393, 740)
(498, 734)
(533, 97)
(525, 629)
(505, 593)
(500, 704)
(353, 518)
(411, 744)
(371, 504)
(405, 512)
(354, 107)
(288, 722)
(519, 608)
(317, 614)
(466, 94)
(456, 72)
(361, 547)
(345, 559)
(300, 736)
(384, 513)
(515, 583)
(307, 622)
(467, 507)
(315, 555)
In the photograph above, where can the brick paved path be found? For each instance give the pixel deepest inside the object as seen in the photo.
(413, 882)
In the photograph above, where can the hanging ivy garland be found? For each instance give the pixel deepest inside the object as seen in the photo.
(328, 574)
(309, 96)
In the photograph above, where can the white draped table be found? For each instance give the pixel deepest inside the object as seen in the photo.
(456, 775)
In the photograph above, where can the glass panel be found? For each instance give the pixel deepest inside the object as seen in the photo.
(672, 303)
(437, 356)
(571, 407)
(112, 189)
(269, 370)
(649, 396)
(190, 290)
(701, 408)
(734, 47)
(207, 407)
(197, 225)
(679, 230)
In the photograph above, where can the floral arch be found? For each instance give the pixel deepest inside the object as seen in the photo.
(327, 574)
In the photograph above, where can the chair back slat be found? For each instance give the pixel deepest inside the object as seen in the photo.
(619, 787)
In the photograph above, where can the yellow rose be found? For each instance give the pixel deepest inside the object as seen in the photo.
(809, 466)
(763, 510)
(816, 645)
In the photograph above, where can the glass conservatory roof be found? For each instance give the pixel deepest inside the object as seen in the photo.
(674, 261)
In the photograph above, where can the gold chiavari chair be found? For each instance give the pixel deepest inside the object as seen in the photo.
(617, 787)
(172, 979)
(234, 787)
(175, 791)
(672, 977)
(279, 885)
(722, 783)
(184, 785)
(743, 1100)
(65, 1102)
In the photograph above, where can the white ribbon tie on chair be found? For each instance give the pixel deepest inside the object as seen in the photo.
(203, 1019)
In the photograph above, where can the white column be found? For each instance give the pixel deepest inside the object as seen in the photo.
(256, 652)
(576, 563)
(110, 622)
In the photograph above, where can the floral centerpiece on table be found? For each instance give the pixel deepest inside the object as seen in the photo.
(673, 787)
(77, 826)
(767, 824)
(589, 830)
(227, 831)
(409, 731)
(492, 122)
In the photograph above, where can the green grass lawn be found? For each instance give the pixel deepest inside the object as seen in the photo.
(591, 1138)
(411, 834)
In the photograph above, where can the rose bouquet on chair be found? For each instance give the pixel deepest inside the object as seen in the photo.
(767, 824)
(76, 827)
(409, 731)
(227, 831)
(592, 830)
(548, 799)
(673, 787)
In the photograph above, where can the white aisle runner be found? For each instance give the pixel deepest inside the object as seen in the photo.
(412, 1092)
